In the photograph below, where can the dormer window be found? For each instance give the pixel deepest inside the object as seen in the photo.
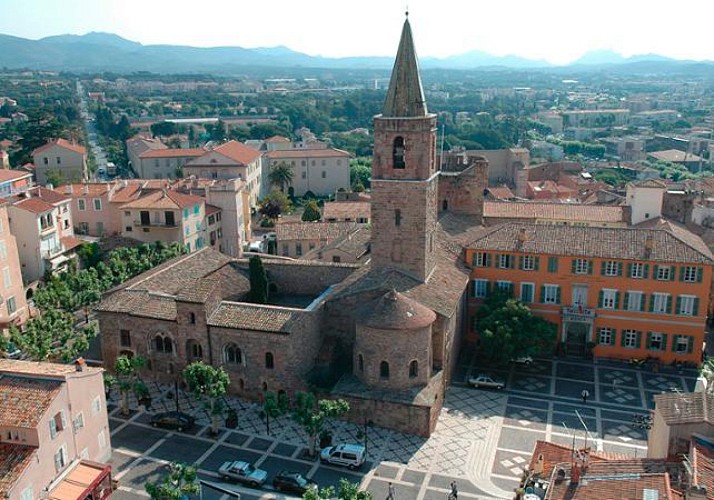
(398, 153)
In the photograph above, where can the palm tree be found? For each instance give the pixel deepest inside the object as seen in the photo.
(281, 175)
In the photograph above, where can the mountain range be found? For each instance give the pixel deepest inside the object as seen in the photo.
(95, 52)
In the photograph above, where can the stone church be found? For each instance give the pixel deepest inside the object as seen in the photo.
(385, 336)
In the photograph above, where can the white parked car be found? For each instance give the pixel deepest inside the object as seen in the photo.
(484, 380)
(242, 472)
(522, 360)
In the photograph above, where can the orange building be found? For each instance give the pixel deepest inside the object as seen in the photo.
(626, 292)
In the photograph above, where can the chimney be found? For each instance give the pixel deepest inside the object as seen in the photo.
(85, 189)
(521, 238)
(80, 364)
(68, 189)
(696, 492)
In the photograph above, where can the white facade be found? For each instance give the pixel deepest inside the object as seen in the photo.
(233, 201)
(645, 200)
(320, 171)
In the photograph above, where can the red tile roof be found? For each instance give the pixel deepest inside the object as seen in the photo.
(212, 209)
(49, 195)
(13, 175)
(173, 153)
(23, 401)
(81, 190)
(277, 138)
(70, 242)
(238, 151)
(14, 460)
(62, 143)
(35, 205)
(703, 464)
(165, 199)
(307, 153)
(501, 192)
(552, 211)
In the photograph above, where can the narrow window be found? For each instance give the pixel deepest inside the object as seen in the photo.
(269, 362)
(397, 217)
(398, 153)
(192, 318)
(413, 369)
(384, 369)
(360, 363)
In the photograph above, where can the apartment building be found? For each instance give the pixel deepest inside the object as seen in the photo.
(320, 171)
(14, 181)
(165, 163)
(138, 145)
(231, 160)
(41, 220)
(595, 118)
(626, 292)
(54, 432)
(60, 160)
(167, 216)
(295, 239)
(13, 306)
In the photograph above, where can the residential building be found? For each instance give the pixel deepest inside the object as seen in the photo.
(644, 198)
(676, 417)
(595, 118)
(165, 163)
(54, 432)
(295, 239)
(168, 216)
(138, 145)
(320, 171)
(14, 181)
(231, 160)
(625, 148)
(352, 249)
(41, 220)
(504, 165)
(13, 306)
(498, 212)
(399, 317)
(92, 212)
(690, 161)
(350, 208)
(60, 161)
(625, 292)
(648, 118)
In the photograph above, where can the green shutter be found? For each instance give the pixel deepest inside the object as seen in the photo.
(664, 341)
(536, 263)
(668, 310)
(603, 266)
(557, 295)
(672, 272)
(643, 297)
(646, 271)
(700, 274)
(552, 264)
(695, 308)
(497, 257)
(542, 294)
(626, 301)
(590, 266)
(674, 343)
(678, 306)
(652, 301)
(573, 265)
(690, 343)
(613, 339)
(648, 343)
(629, 270)
(681, 273)
(622, 338)
(619, 268)
(520, 262)
(638, 342)
(489, 287)
(617, 300)
(655, 272)
(511, 261)
(488, 260)
(601, 296)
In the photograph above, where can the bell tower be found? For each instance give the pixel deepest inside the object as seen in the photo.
(404, 172)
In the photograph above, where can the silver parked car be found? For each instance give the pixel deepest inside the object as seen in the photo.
(484, 380)
(242, 472)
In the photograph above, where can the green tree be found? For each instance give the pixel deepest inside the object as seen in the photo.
(209, 384)
(89, 254)
(281, 176)
(311, 212)
(347, 491)
(275, 406)
(312, 414)
(258, 281)
(178, 484)
(163, 129)
(274, 203)
(508, 329)
(360, 172)
(126, 372)
(51, 336)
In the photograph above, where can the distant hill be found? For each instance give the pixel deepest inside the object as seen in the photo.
(95, 52)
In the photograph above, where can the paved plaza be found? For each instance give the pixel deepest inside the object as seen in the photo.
(483, 440)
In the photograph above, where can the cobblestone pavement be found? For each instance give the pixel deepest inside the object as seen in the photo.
(483, 439)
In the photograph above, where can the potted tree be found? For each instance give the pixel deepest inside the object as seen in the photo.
(231, 418)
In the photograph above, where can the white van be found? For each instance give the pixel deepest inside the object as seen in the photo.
(346, 455)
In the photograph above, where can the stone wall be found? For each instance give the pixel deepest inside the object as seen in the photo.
(401, 417)
(462, 192)
(304, 278)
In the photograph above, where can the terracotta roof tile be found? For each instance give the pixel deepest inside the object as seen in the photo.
(49, 195)
(82, 190)
(165, 199)
(23, 401)
(703, 463)
(394, 311)
(7, 175)
(34, 205)
(238, 152)
(243, 316)
(342, 210)
(319, 231)
(553, 211)
(587, 241)
(674, 156)
(277, 138)
(355, 244)
(70, 242)
(43, 368)
(283, 154)
(62, 143)
(501, 192)
(690, 407)
(14, 460)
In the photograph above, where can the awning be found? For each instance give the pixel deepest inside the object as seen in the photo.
(86, 481)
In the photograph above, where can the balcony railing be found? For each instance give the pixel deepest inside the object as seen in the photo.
(154, 224)
(578, 313)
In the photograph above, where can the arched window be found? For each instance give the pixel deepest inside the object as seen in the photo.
(269, 361)
(384, 369)
(398, 152)
(413, 369)
(232, 355)
(163, 344)
(192, 318)
(159, 343)
(196, 351)
(168, 345)
(360, 363)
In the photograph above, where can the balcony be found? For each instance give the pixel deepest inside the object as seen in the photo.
(157, 224)
(578, 313)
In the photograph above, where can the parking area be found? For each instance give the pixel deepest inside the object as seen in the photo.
(483, 439)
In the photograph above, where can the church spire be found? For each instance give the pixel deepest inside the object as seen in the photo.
(405, 97)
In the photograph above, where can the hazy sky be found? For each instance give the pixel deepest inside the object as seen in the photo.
(556, 30)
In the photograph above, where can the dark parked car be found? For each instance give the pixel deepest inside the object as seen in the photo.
(173, 420)
(293, 482)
